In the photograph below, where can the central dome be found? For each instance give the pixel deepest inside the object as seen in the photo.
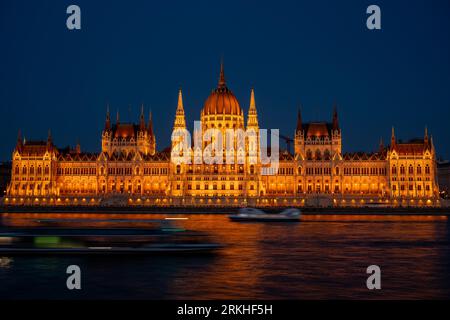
(221, 100)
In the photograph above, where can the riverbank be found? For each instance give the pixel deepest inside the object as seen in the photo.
(439, 211)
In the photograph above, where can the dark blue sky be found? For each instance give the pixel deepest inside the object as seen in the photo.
(292, 52)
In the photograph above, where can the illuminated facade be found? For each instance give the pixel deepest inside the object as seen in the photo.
(129, 169)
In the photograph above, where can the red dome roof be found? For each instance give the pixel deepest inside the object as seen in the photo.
(222, 100)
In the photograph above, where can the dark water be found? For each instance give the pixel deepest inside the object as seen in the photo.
(319, 258)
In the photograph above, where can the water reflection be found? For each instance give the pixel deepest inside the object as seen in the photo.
(321, 257)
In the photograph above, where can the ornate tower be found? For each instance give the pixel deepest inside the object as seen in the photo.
(253, 131)
(299, 137)
(107, 133)
(336, 138)
(143, 137)
(179, 123)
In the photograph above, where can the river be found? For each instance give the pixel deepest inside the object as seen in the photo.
(322, 257)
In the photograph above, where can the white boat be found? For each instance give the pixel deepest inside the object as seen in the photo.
(253, 214)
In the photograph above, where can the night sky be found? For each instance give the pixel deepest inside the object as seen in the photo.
(301, 52)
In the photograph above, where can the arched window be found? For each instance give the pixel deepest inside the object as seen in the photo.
(137, 171)
(427, 169)
(394, 170)
(308, 155)
(299, 170)
(24, 170)
(337, 170)
(327, 155)
(32, 170)
(178, 169)
(402, 169)
(318, 155)
(252, 169)
(419, 169)
(39, 170)
(16, 170)
(411, 169)
(47, 170)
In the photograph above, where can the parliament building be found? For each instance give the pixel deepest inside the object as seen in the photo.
(130, 170)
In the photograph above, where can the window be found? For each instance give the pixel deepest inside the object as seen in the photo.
(419, 169)
(427, 169)
(318, 155)
(394, 170)
(337, 170)
(402, 169)
(24, 170)
(411, 169)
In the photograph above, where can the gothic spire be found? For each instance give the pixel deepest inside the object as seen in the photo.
(108, 119)
(252, 120)
(335, 118)
(393, 137)
(49, 138)
(180, 121)
(299, 120)
(19, 139)
(117, 117)
(222, 83)
(142, 119)
(381, 144)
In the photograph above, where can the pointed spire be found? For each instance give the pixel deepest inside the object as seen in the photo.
(78, 147)
(222, 83)
(393, 137)
(117, 117)
(19, 140)
(381, 144)
(425, 139)
(142, 119)
(108, 119)
(299, 120)
(180, 106)
(252, 120)
(180, 121)
(252, 100)
(335, 118)
(49, 138)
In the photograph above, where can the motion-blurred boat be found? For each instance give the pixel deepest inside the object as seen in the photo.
(253, 214)
(103, 241)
